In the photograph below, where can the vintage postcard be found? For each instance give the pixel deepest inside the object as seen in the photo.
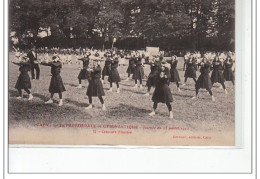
(122, 72)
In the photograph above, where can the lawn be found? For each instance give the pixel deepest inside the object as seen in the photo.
(129, 107)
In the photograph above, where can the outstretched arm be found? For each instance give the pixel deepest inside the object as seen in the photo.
(97, 69)
(169, 61)
(16, 63)
(80, 59)
(20, 63)
(46, 63)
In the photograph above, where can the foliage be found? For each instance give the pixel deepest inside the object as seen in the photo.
(99, 21)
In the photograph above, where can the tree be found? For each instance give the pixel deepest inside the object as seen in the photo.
(24, 19)
(159, 19)
(189, 23)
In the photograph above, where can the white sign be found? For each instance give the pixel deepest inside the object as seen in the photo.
(153, 50)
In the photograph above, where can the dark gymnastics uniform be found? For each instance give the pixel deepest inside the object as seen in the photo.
(174, 73)
(190, 70)
(131, 66)
(107, 68)
(95, 87)
(217, 73)
(84, 74)
(228, 73)
(154, 74)
(23, 81)
(204, 80)
(56, 85)
(139, 70)
(114, 76)
(162, 92)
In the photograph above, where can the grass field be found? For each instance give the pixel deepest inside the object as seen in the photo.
(129, 107)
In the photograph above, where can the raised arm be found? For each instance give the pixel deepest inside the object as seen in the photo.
(20, 63)
(96, 69)
(46, 63)
(16, 63)
(169, 61)
(80, 59)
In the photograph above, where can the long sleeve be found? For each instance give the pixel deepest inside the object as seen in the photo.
(97, 69)
(21, 63)
(96, 73)
(169, 61)
(17, 63)
(46, 64)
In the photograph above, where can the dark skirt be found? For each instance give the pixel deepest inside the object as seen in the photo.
(114, 76)
(56, 85)
(138, 73)
(190, 73)
(152, 79)
(83, 74)
(106, 71)
(162, 94)
(95, 88)
(217, 76)
(130, 70)
(229, 75)
(174, 75)
(23, 81)
(203, 82)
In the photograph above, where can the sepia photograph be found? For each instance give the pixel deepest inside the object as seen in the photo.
(122, 72)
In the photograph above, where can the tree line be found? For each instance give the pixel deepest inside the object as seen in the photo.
(135, 24)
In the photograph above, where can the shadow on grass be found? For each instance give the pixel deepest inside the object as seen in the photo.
(136, 92)
(205, 97)
(76, 103)
(13, 93)
(72, 85)
(24, 112)
(182, 95)
(125, 110)
(42, 97)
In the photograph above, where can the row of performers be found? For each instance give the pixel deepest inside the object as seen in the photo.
(221, 71)
(159, 78)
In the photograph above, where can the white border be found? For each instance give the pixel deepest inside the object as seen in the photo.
(150, 160)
